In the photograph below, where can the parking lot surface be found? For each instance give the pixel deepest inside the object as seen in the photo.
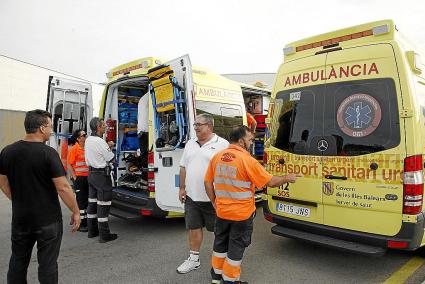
(149, 251)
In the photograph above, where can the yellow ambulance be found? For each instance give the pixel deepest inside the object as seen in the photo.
(177, 92)
(348, 112)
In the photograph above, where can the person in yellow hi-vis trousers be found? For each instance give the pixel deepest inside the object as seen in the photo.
(230, 182)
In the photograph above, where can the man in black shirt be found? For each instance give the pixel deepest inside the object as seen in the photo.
(32, 176)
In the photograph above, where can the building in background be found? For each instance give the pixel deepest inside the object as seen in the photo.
(25, 86)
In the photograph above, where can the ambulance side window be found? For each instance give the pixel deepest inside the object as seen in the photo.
(226, 116)
(67, 124)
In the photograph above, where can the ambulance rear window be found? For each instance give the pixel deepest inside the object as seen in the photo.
(339, 119)
(226, 116)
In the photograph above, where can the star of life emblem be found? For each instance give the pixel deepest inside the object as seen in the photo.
(359, 115)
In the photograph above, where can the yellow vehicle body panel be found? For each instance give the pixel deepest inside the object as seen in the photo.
(369, 200)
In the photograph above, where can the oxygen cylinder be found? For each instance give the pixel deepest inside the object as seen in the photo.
(111, 130)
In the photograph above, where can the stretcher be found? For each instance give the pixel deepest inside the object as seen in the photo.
(169, 108)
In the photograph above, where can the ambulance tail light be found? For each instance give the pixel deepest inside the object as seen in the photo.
(268, 217)
(397, 244)
(265, 158)
(146, 212)
(151, 172)
(413, 185)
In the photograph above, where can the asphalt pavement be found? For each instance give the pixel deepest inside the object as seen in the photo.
(149, 251)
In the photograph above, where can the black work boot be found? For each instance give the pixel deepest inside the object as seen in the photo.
(108, 238)
(92, 235)
(92, 228)
(216, 278)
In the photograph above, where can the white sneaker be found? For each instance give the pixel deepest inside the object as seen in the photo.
(188, 265)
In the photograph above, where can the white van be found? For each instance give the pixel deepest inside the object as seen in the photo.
(25, 87)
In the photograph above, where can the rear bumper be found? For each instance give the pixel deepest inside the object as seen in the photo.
(131, 205)
(411, 233)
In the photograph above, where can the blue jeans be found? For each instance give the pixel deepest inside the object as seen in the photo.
(48, 240)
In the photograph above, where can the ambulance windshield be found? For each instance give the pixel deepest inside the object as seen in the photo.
(350, 118)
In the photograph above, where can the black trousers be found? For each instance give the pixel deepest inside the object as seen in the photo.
(100, 199)
(81, 188)
(48, 239)
(231, 240)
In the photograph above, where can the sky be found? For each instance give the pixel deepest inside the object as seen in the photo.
(86, 38)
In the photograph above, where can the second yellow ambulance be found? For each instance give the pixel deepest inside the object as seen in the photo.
(348, 112)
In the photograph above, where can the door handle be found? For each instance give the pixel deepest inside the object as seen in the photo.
(335, 177)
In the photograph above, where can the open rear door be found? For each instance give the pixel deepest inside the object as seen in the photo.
(167, 161)
(71, 105)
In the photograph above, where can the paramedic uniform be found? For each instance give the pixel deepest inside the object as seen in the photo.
(235, 174)
(76, 158)
(98, 155)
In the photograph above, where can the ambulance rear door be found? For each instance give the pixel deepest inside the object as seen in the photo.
(71, 105)
(167, 162)
(362, 184)
(295, 126)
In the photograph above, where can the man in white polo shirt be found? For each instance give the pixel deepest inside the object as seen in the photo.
(199, 211)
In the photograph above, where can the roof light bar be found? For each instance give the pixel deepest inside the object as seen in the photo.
(378, 30)
(334, 40)
(143, 64)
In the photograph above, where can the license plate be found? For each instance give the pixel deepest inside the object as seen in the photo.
(293, 209)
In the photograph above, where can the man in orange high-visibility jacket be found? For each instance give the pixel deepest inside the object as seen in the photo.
(230, 181)
(79, 172)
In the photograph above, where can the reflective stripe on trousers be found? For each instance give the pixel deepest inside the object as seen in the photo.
(217, 262)
(231, 239)
(231, 269)
(100, 196)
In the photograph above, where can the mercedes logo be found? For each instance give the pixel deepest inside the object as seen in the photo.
(322, 145)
